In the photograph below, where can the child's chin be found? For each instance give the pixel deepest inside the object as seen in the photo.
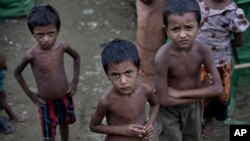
(126, 93)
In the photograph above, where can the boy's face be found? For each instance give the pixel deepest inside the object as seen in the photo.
(45, 36)
(123, 76)
(182, 29)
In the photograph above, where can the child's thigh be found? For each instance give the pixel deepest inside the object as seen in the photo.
(171, 126)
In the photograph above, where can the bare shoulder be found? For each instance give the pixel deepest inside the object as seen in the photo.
(162, 53)
(107, 96)
(146, 88)
(62, 44)
(203, 48)
(30, 53)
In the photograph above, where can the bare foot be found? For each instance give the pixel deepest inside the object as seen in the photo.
(208, 130)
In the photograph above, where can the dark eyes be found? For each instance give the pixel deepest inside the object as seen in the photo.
(51, 33)
(115, 75)
(128, 73)
(177, 29)
(189, 27)
(41, 35)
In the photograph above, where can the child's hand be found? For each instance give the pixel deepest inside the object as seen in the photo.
(71, 90)
(134, 130)
(206, 80)
(36, 98)
(149, 131)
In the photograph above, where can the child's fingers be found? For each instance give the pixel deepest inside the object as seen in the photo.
(68, 91)
(149, 136)
(138, 130)
(140, 127)
(149, 131)
(40, 99)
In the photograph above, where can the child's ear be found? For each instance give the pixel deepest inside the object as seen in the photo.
(139, 69)
(200, 25)
(165, 29)
(108, 78)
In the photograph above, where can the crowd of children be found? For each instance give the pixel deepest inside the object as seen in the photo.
(167, 76)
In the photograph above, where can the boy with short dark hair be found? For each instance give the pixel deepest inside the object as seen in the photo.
(178, 65)
(123, 104)
(54, 95)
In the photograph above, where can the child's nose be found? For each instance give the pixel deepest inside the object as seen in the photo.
(183, 34)
(123, 79)
(46, 38)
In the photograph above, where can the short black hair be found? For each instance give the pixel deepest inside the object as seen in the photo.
(43, 15)
(118, 51)
(180, 7)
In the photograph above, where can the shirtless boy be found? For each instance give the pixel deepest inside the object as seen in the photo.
(178, 65)
(54, 94)
(123, 104)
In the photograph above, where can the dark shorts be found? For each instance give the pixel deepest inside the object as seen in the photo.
(2, 76)
(56, 112)
(181, 123)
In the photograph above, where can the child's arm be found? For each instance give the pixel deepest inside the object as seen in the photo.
(212, 90)
(238, 39)
(18, 75)
(76, 58)
(161, 84)
(124, 130)
(154, 108)
(3, 64)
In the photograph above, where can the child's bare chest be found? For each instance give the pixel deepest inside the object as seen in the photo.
(128, 109)
(188, 65)
(48, 61)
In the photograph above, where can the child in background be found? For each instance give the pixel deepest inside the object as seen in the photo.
(55, 94)
(3, 102)
(123, 104)
(221, 19)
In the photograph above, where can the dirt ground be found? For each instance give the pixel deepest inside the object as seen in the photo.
(86, 25)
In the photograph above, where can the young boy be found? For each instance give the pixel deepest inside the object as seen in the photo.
(54, 95)
(178, 65)
(123, 104)
(3, 102)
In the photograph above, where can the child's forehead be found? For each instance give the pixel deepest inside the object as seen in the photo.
(122, 65)
(186, 17)
(45, 27)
